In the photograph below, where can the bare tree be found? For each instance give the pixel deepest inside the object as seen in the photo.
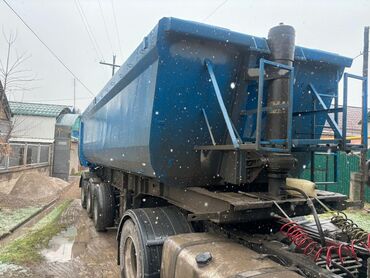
(12, 72)
(5, 121)
(14, 78)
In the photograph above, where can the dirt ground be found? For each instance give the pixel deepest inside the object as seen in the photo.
(78, 251)
(32, 189)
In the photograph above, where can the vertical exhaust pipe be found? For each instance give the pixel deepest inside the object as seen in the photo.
(281, 41)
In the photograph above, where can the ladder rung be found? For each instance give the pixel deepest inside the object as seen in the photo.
(325, 182)
(330, 110)
(272, 107)
(264, 109)
(326, 153)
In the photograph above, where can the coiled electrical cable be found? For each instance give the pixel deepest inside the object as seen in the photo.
(351, 229)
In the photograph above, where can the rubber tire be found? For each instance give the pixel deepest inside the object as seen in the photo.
(90, 199)
(84, 193)
(151, 227)
(130, 233)
(103, 207)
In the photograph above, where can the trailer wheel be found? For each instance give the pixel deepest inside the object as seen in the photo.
(89, 200)
(103, 207)
(83, 186)
(141, 235)
(131, 251)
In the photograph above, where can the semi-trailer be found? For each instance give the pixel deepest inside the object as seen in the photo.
(195, 148)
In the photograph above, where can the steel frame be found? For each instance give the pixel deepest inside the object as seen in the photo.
(299, 144)
(333, 124)
(364, 80)
(340, 135)
(261, 109)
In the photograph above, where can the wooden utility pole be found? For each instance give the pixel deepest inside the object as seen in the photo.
(113, 65)
(365, 72)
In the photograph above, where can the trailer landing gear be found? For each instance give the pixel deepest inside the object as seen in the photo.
(141, 235)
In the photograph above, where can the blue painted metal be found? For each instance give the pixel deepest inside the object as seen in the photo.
(221, 103)
(209, 127)
(343, 143)
(364, 99)
(290, 109)
(261, 109)
(149, 116)
(83, 161)
(344, 114)
(259, 104)
(331, 121)
(325, 95)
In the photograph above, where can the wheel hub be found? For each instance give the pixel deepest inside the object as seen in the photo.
(130, 259)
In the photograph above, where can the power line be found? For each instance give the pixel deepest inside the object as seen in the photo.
(89, 30)
(116, 25)
(361, 53)
(215, 10)
(48, 48)
(105, 26)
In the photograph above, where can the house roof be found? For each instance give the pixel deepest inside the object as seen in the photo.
(354, 115)
(72, 121)
(68, 120)
(38, 109)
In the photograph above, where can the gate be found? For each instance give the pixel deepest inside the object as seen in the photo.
(325, 171)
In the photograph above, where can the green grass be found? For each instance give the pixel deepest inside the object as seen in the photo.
(359, 216)
(26, 248)
(9, 218)
(78, 173)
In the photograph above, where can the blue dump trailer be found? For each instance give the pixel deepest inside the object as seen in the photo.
(199, 140)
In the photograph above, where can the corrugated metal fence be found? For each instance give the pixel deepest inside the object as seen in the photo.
(347, 163)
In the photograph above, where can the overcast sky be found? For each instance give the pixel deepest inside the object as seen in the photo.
(335, 26)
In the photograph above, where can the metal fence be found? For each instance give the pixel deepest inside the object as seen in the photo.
(26, 154)
(324, 171)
